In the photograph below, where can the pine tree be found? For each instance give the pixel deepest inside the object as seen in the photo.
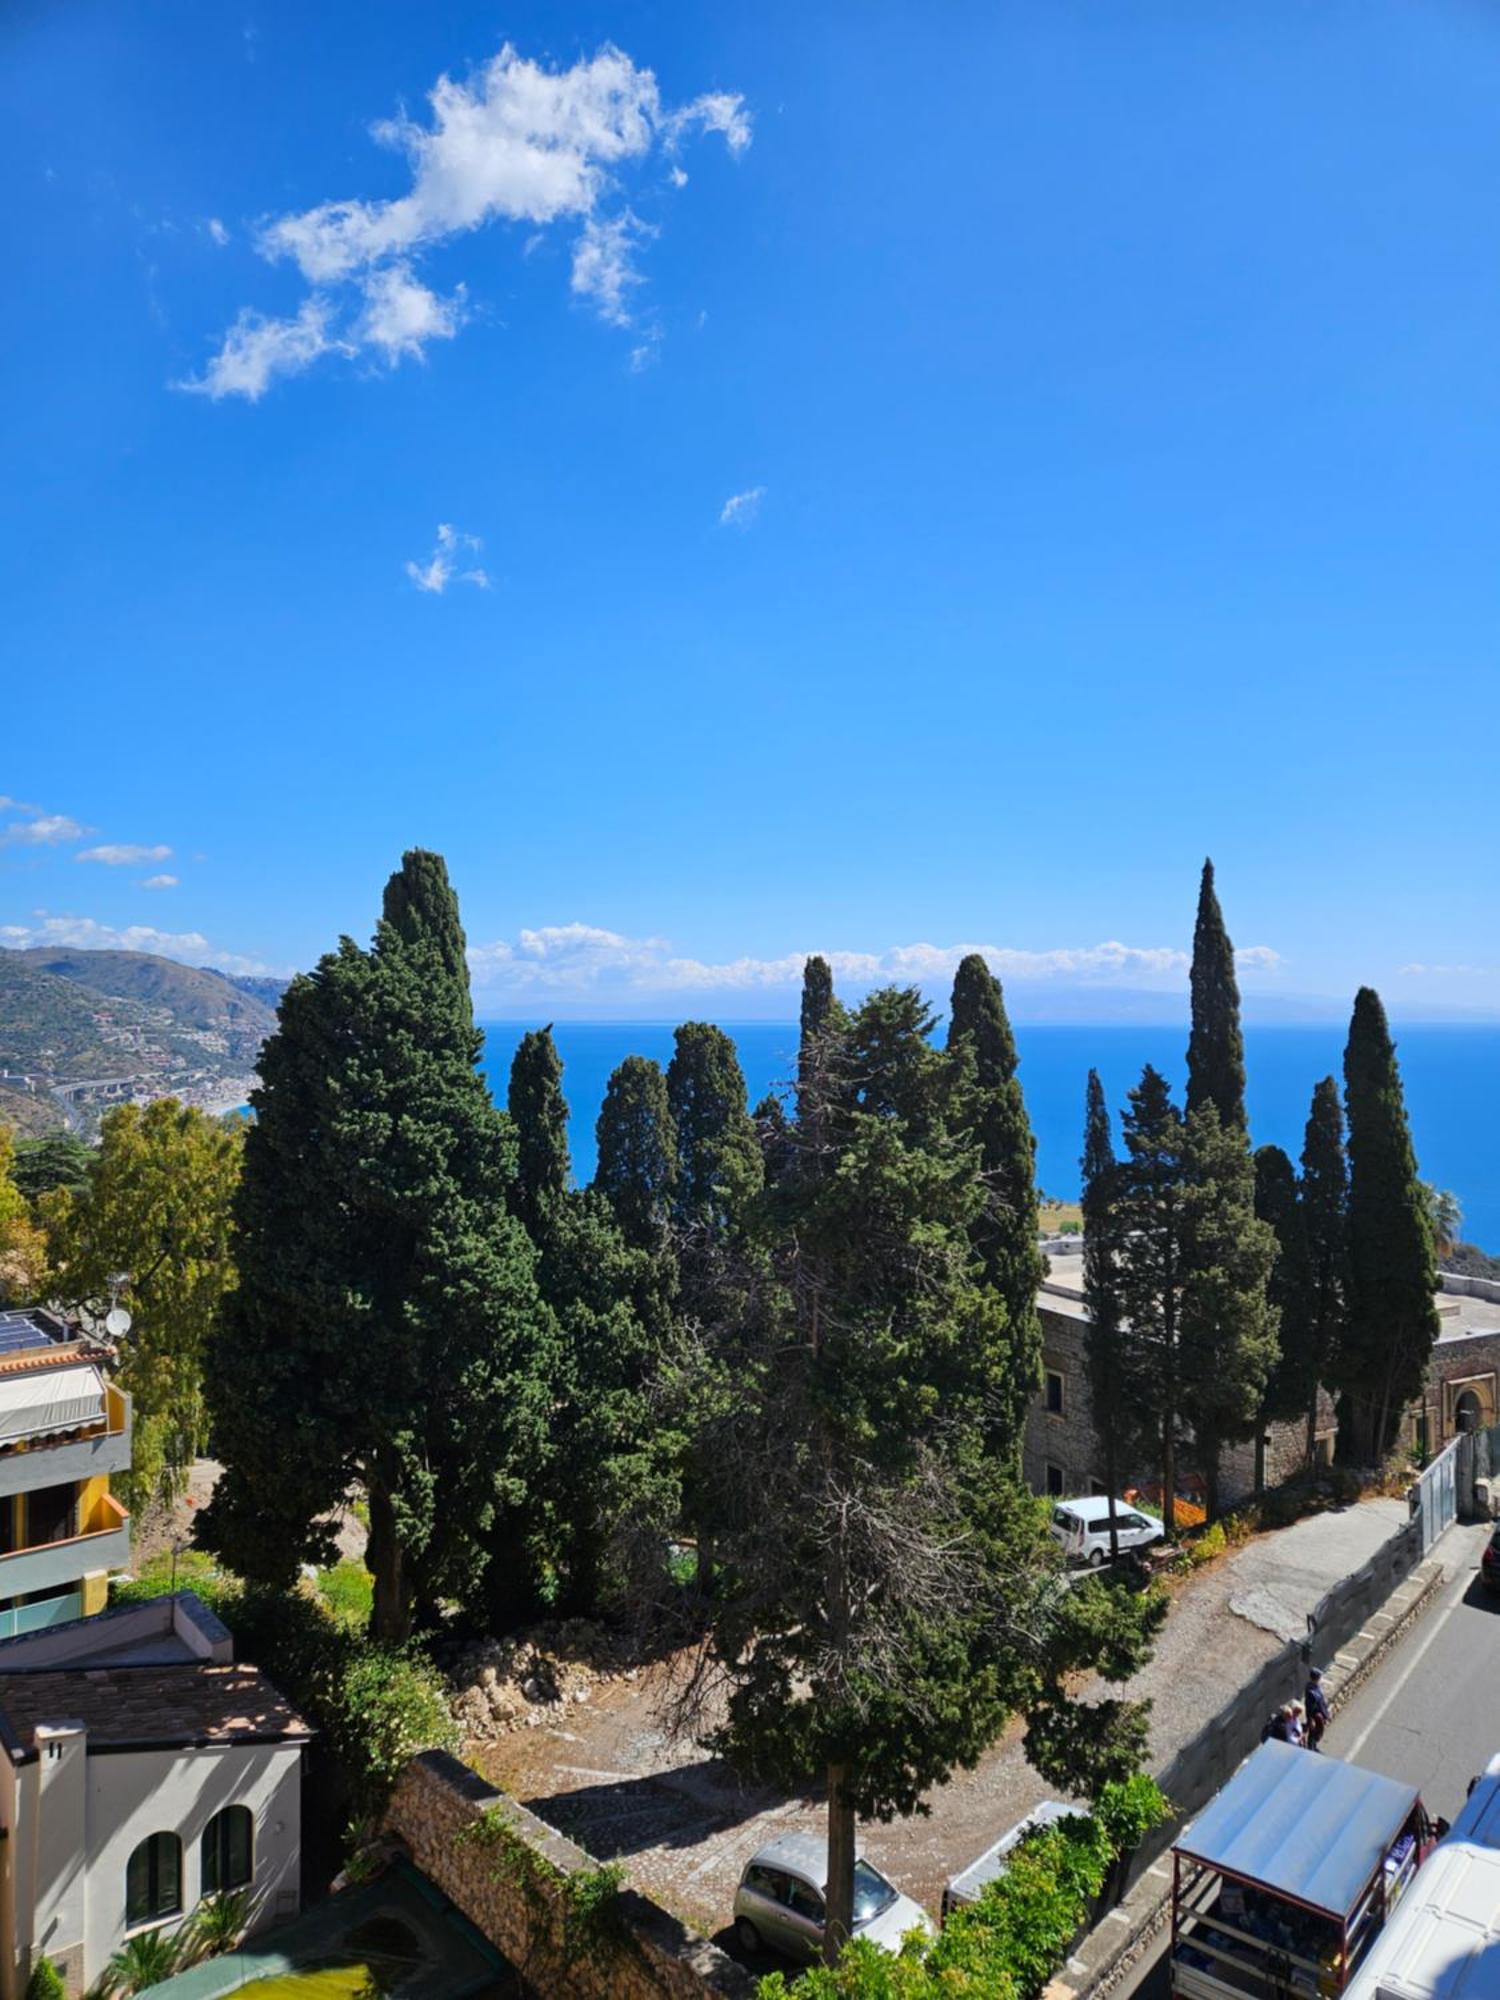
(1005, 1234)
(637, 1144)
(1325, 1205)
(1150, 1224)
(1292, 1386)
(1227, 1328)
(386, 1329)
(1392, 1271)
(1216, 1050)
(1106, 1339)
(539, 1113)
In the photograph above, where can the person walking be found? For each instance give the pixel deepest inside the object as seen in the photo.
(1318, 1710)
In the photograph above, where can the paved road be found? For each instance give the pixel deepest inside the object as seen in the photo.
(1427, 1715)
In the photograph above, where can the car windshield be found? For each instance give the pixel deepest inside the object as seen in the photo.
(872, 1893)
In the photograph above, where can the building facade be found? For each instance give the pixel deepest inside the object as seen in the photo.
(65, 1428)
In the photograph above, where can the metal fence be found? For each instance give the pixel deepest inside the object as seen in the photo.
(1437, 1495)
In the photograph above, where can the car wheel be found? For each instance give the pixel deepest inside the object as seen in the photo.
(746, 1935)
(1096, 1558)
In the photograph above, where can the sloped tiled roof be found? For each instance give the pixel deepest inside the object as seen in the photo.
(149, 1707)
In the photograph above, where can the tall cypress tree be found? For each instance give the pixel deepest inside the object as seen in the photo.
(1150, 1221)
(719, 1166)
(1216, 1050)
(386, 1328)
(1392, 1269)
(1292, 1385)
(821, 1078)
(539, 1113)
(638, 1163)
(1005, 1232)
(1325, 1219)
(1106, 1350)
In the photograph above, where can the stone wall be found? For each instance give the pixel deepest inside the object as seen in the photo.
(648, 1955)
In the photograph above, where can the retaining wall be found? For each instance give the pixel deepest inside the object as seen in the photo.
(645, 1955)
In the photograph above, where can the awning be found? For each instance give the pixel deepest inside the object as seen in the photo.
(1307, 1826)
(44, 1401)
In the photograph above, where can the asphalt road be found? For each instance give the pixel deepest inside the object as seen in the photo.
(1429, 1714)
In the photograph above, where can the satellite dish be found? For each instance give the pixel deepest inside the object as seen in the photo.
(117, 1322)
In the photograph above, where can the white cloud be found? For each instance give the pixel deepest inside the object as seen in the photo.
(257, 350)
(41, 830)
(159, 882)
(85, 934)
(740, 509)
(602, 267)
(123, 855)
(513, 142)
(1418, 971)
(217, 231)
(401, 315)
(442, 568)
(584, 959)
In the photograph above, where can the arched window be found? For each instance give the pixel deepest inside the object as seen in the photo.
(153, 1880)
(228, 1850)
(1468, 1411)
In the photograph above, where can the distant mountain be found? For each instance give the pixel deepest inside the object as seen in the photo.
(267, 990)
(80, 1030)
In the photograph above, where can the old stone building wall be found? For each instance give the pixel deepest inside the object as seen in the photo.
(642, 1954)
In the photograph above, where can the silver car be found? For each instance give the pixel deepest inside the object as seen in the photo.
(779, 1902)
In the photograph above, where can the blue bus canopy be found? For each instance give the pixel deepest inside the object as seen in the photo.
(1306, 1826)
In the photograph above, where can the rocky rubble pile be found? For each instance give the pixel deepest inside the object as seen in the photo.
(498, 1685)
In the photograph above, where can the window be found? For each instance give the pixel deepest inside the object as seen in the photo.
(1056, 1484)
(228, 1842)
(770, 1883)
(1054, 1393)
(51, 1515)
(806, 1902)
(153, 1880)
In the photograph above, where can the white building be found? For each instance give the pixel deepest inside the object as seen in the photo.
(140, 1770)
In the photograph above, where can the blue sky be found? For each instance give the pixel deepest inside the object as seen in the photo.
(900, 478)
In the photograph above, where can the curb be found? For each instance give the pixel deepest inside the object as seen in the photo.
(1089, 1975)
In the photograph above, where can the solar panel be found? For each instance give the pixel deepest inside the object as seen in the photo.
(20, 1330)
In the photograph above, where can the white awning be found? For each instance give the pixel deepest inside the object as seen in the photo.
(47, 1400)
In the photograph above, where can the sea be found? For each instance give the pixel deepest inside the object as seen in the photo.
(1451, 1076)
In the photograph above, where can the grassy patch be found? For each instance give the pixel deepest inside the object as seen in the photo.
(348, 1589)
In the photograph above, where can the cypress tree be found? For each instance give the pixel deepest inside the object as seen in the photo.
(821, 1082)
(1292, 1385)
(386, 1328)
(1228, 1329)
(1216, 1050)
(1106, 1350)
(1325, 1205)
(539, 1113)
(1392, 1269)
(719, 1166)
(1150, 1226)
(637, 1142)
(1005, 1232)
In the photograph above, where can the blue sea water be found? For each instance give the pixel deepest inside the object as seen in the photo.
(1451, 1074)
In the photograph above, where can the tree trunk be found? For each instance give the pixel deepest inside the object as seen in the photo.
(705, 1566)
(1168, 1480)
(1211, 1480)
(1112, 1475)
(1312, 1432)
(390, 1614)
(1260, 1453)
(838, 1924)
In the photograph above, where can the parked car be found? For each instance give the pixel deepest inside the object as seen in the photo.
(1489, 1563)
(1082, 1526)
(780, 1900)
(966, 1887)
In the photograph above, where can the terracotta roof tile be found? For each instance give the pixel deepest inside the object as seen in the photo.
(152, 1705)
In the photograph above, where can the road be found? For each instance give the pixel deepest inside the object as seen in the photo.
(1428, 1713)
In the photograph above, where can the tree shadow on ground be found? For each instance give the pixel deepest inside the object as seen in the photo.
(674, 1808)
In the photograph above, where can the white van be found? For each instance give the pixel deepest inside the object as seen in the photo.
(1082, 1526)
(969, 1886)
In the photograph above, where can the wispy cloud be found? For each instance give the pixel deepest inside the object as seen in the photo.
(740, 509)
(121, 854)
(442, 567)
(159, 882)
(217, 231)
(86, 934)
(582, 959)
(512, 142)
(41, 830)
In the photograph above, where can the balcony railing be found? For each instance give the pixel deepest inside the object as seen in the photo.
(104, 1543)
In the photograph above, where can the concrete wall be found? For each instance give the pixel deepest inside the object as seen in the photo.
(437, 1799)
(78, 1817)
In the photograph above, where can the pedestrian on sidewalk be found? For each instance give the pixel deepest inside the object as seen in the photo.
(1318, 1710)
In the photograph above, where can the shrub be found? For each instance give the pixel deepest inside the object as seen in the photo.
(382, 1705)
(46, 1982)
(145, 1960)
(348, 1590)
(218, 1923)
(1205, 1547)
